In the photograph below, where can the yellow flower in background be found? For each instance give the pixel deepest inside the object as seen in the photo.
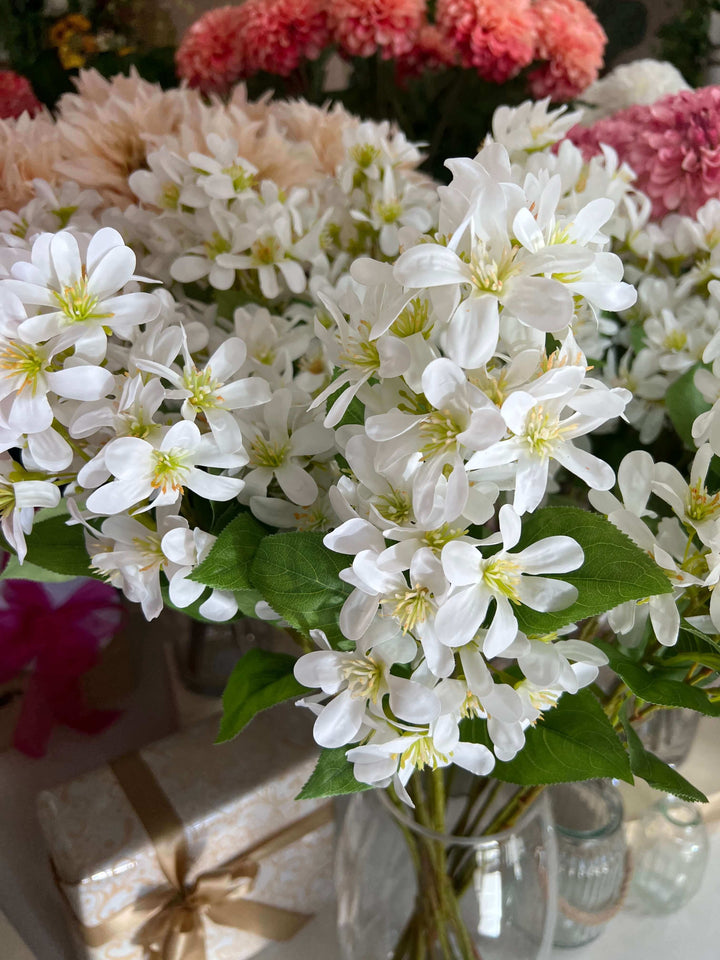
(71, 35)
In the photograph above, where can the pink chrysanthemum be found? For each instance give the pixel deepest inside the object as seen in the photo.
(571, 39)
(278, 34)
(16, 96)
(210, 56)
(432, 51)
(673, 146)
(362, 27)
(495, 37)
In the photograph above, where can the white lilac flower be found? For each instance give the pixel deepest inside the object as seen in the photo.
(78, 294)
(478, 578)
(144, 471)
(359, 680)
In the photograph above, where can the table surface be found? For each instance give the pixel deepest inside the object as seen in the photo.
(32, 905)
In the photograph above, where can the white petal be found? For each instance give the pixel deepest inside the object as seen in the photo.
(340, 721)
(81, 382)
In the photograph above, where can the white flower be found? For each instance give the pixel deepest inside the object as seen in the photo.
(282, 445)
(359, 680)
(506, 578)
(79, 295)
(695, 506)
(187, 548)
(531, 126)
(640, 82)
(144, 471)
(211, 392)
(19, 498)
(539, 433)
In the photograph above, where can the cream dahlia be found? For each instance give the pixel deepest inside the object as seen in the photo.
(495, 37)
(362, 27)
(570, 38)
(672, 145)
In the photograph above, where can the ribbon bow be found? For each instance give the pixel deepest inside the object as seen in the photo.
(169, 923)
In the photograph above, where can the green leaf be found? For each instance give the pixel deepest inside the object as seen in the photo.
(655, 771)
(227, 566)
(14, 570)
(654, 686)
(59, 548)
(573, 741)
(332, 777)
(614, 570)
(260, 680)
(299, 577)
(684, 403)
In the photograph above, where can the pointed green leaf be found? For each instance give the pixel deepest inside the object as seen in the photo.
(260, 680)
(573, 741)
(332, 777)
(655, 771)
(614, 569)
(684, 404)
(59, 548)
(655, 686)
(299, 577)
(227, 566)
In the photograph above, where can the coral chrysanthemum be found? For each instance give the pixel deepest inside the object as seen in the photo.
(495, 37)
(432, 51)
(210, 56)
(16, 96)
(362, 27)
(276, 35)
(571, 39)
(673, 146)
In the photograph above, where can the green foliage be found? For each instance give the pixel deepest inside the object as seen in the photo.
(58, 548)
(299, 577)
(332, 777)
(227, 566)
(654, 771)
(573, 741)
(614, 570)
(260, 680)
(684, 403)
(685, 40)
(624, 22)
(656, 685)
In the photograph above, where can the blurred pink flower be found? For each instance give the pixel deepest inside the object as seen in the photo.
(495, 37)
(59, 636)
(673, 145)
(362, 27)
(16, 96)
(278, 34)
(210, 56)
(432, 51)
(571, 39)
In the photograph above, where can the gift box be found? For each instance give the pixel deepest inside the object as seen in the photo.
(192, 851)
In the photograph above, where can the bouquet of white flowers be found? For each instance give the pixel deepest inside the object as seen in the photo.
(365, 408)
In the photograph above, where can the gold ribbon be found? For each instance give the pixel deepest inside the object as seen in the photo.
(168, 923)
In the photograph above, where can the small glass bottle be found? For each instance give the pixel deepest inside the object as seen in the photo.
(592, 859)
(670, 734)
(670, 852)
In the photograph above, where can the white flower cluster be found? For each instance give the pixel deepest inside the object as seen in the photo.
(141, 406)
(476, 394)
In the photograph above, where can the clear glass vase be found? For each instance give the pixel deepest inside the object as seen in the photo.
(206, 653)
(670, 734)
(405, 891)
(670, 850)
(594, 866)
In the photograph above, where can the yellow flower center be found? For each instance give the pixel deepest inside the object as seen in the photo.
(423, 753)
(439, 432)
(701, 505)
(203, 388)
(364, 678)
(169, 470)
(77, 304)
(268, 455)
(502, 576)
(411, 607)
(23, 360)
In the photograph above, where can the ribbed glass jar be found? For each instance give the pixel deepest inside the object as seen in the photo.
(670, 734)
(670, 852)
(406, 892)
(593, 864)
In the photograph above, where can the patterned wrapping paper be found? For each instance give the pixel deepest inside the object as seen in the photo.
(229, 798)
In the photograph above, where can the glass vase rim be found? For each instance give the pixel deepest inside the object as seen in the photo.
(665, 807)
(481, 840)
(611, 796)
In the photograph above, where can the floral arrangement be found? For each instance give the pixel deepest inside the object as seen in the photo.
(378, 412)
(438, 69)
